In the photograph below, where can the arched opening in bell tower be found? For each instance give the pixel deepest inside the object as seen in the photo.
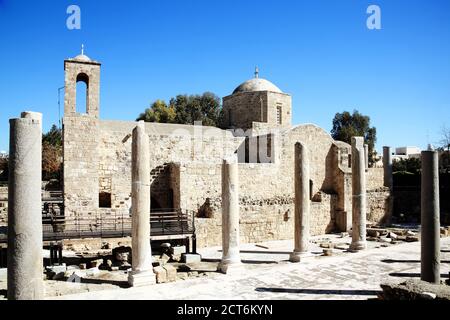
(82, 93)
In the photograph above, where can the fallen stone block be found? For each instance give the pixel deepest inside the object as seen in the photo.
(82, 266)
(393, 235)
(96, 263)
(327, 245)
(56, 272)
(122, 254)
(327, 252)
(373, 233)
(178, 251)
(191, 258)
(385, 240)
(164, 258)
(342, 246)
(161, 274)
(92, 272)
(414, 290)
(171, 273)
(412, 238)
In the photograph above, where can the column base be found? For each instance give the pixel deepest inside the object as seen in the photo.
(141, 278)
(191, 258)
(230, 267)
(357, 246)
(298, 256)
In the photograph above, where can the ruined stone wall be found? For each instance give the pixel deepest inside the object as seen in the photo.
(172, 147)
(375, 178)
(266, 206)
(3, 206)
(377, 205)
(321, 157)
(98, 159)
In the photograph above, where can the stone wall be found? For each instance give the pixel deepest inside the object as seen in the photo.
(242, 109)
(374, 178)
(271, 219)
(186, 173)
(3, 206)
(377, 205)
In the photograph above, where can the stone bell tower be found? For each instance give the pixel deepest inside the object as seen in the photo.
(81, 137)
(82, 68)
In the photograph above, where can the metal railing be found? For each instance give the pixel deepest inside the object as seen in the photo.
(165, 222)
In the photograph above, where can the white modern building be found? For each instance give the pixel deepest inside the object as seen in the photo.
(406, 153)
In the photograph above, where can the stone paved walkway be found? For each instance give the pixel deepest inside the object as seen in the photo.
(269, 275)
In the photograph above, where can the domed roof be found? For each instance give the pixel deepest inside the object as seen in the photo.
(257, 84)
(82, 57)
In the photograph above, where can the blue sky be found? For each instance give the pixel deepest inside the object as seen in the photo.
(319, 51)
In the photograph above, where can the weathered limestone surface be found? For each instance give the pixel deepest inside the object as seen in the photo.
(302, 203)
(359, 204)
(430, 224)
(230, 215)
(25, 261)
(242, 110)
(142, 269)
(186, 160)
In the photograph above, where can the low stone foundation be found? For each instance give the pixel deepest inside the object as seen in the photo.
(415, 290)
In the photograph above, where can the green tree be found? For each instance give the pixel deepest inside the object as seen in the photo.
(410, 165)
(53, 137)
(52, 153)
(185, 109)
(347, 125)
(159, 111)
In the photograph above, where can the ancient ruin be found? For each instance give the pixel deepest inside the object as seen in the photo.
(186, 160)
(256, 187)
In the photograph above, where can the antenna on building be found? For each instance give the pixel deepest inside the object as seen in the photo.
(256, 73)
(59, 106)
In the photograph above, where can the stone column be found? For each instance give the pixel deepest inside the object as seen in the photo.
(359, 203)
(388, 182)
(430, 226)
(142, 269)
(366, 155)
(387, 165)
(230, 216)
(25, 261)
(302, 202)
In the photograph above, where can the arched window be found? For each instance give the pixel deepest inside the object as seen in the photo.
(82, 93)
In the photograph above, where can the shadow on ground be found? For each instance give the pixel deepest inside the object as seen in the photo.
(121, 284)
(244, 261)
(321, 291)
(411, 275)
(407, 261)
